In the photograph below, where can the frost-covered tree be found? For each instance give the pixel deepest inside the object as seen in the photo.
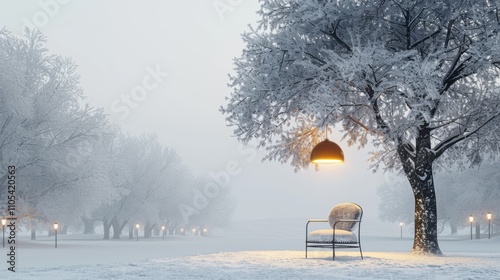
(395, 200)
(114, 213)
(43, 120)
(170, 214)
(474, 191)
(219, 209)
(420, 77)
(150, 173)
(90, 173)
(164, 173)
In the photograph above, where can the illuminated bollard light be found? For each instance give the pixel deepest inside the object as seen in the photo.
(137, 229)
(471, 219)
(55, 229)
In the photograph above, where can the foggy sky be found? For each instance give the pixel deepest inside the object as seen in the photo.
(162, 66)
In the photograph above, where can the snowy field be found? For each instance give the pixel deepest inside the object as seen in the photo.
(265, 249)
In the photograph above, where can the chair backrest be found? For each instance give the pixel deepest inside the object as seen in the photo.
(345, 211)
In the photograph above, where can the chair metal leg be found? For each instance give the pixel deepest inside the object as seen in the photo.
(307, 230)
(359, 240)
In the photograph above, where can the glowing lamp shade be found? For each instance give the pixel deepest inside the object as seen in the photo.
(488, 216)
(327, 152)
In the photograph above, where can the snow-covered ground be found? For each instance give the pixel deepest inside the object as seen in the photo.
(261, 249)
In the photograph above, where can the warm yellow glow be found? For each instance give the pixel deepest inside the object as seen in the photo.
(488, 215)
(137, 225)
(194, 230)
(401, 224)
(204, 230)
(327, 161)
(471, 218)
(56, 225)
(162, 227)
(4, 221)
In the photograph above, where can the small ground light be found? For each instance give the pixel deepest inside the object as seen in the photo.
(401, 225)
(488, 216)
(137, 227)
(55, 229)
(471, 219)
(4, 221)
(163, 229)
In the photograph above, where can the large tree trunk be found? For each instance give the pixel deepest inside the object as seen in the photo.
(417, 165)
(88, 224)
(33, 234)
(453, 227)
(51, 231)
(64, 229)
(425, 241)
(130, 231)
(107, 225)
(117, 228)
(147, 230)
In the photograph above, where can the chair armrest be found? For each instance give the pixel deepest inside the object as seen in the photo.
(318, 221)
(314, 221)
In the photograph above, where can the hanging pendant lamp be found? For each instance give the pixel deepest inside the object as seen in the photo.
(327, 151)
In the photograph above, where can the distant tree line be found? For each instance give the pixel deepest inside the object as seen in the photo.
(75, 167)
(459, 194)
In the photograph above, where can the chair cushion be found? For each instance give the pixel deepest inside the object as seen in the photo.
(326, 236)
(345, 211)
